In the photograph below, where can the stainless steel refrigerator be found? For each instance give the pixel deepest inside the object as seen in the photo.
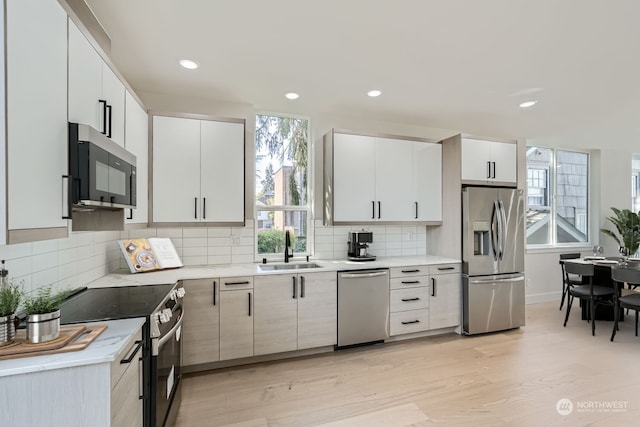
(492, 259)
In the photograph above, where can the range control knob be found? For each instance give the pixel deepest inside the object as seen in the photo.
(167, 314)
(180, 292)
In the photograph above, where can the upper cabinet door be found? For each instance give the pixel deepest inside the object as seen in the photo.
(394, 189)
(36, 117)
(85, 80)
(176, 170)
(427, 181)
(113, 93)
(354, 178)
(222, 176)
(489, 162)
(137, 142)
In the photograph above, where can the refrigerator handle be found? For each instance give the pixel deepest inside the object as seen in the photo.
(494, 230)
(503, 233)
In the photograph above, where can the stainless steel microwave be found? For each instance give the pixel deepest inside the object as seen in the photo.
(102, 174)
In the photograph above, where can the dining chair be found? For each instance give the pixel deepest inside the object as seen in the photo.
(568, 281)
(631, 301)
(594, 294)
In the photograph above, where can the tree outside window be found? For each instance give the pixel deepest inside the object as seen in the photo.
(282, 193)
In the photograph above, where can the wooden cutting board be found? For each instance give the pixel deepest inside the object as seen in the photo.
(72, 338)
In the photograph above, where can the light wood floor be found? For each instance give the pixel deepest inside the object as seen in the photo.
(501, 379)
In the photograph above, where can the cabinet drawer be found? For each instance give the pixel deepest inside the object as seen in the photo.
(409, 299)
(408, 282)
(406, 322)
(413, 270)
(236, 283)
(445, 268)
(117, 368)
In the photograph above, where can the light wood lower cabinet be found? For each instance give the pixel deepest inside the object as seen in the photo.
(201, 337)
(236, 318)
(126, 385)
(294, 312)
(445, 296)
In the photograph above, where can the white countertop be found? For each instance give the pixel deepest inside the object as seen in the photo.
(124, 278)
(104, 349)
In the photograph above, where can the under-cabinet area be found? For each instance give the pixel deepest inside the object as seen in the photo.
(243, 319)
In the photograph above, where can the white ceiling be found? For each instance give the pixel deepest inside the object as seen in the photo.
(455, 64)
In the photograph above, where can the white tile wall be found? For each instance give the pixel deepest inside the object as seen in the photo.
(62, 263)
(388, 240)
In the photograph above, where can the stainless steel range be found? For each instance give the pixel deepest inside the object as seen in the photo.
(162, 306)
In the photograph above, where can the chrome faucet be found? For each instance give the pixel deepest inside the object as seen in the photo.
(287, 245)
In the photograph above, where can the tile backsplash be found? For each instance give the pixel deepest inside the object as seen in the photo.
(86, 256)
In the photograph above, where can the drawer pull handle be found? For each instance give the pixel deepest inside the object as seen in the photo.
(411, 271)
(410, 282)
(410, 299)
(246, 282)
(445, 268)
(410, 322)
(133, 354)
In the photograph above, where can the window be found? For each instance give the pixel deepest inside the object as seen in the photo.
(557, 196)
(635, 184)
(282, 192)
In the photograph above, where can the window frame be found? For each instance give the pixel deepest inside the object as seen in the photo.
(552, 182)
(308, 208)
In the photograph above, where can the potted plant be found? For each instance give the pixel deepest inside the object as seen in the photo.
(42, 312)
(10, 296)
(627, 224)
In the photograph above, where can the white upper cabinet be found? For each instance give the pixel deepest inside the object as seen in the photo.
(427, 181)
(137, 142)
(96, 95)
(488, 161)
(382, 179)
(36, 117)
(198, 171)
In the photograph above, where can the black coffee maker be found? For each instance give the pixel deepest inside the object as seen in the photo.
(359, 246)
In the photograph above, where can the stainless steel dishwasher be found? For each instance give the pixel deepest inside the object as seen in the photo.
(363, 306)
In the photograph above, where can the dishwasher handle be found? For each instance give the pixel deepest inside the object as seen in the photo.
(363, 275)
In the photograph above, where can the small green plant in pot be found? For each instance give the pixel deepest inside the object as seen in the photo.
(627, 225)
(43, 314)
(10, 296)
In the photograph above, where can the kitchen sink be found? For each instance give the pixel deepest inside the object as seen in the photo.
(280, 267)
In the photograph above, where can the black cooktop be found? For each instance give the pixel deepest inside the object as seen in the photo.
(97, 304)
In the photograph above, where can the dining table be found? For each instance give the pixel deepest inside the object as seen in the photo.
(601, 276)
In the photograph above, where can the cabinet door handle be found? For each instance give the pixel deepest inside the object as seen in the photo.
(302, 282)
(214, 292)
(130, 216)
(140, 380)
(104, 116)
(133, 354)
(433, 287)
(410, 322)
(494, 170)
(411, 271)
(410, 282)
(295, 285)
(373, 209)
(416, 210)
(109, 131)
(410, 299)
(445, 268)
(249, 294)
(195, 207)
(379, 209)
(66, 204)
(204, 208)
(244, 282)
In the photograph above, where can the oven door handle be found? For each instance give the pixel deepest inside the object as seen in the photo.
(172, 332)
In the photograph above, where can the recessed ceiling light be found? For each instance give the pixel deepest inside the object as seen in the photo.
(291, 95)
(528, 104)
(374, 93)
(189, 64)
